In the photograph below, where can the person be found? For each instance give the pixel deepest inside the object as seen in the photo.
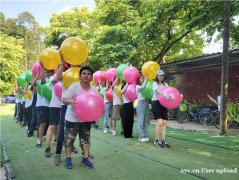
(45, 110)
(108, 107)
(54, 118)
(159, 112)
(73, 125)
(28, 106)
(117, 103)
(142, 110)
(127, 113)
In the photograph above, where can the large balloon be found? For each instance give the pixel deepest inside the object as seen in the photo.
(120, 69)
(21, 80)
(149, 69)
(109, 95)
(46, 90)
(70, 77)
(75, 50)
(131, 74)
(118, 91)
(29, 76)
(39, 87)
(58, 90)
(96, 77)
(175, 99)
(35, 70)
(102, 76)
(110, 74)
(130, 92)
(147, 92)
(89, 106)
(50, 58)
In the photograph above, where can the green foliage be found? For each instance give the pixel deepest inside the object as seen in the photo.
(12, 54)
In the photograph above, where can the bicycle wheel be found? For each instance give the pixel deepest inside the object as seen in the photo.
(206, 118)
(182, 116)
(171, 113)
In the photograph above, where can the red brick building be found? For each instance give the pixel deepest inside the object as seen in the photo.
(197, 77)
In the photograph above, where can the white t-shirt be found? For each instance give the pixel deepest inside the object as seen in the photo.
(71, 93)
(125, 99)
(139, 89)
(28, 102)
(155, 87)
(39, 100)
(22, 100)
(116, 99)
(55, 102)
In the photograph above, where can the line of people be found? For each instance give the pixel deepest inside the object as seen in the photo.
(56, 117)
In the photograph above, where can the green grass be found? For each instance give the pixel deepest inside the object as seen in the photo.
(119, 158)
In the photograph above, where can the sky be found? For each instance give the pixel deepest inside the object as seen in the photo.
(42, 10)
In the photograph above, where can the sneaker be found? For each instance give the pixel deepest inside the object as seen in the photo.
(74, 150)
(113, 133)
(164, 143)
(47, 152)
(146, 139)
(141, 139)
(29, 134)
(38, 145)
(68, 163)
(89, 155)
(86, 162)
(44, 138)
(57, 160)
(158, 143)
(105, 130)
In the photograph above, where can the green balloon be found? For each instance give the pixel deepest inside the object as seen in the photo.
(20, 95)
(39, 87)
(29, 76)
(102, 93)
(46, 90)
(120, 70)
(21, 80)
(147, 92)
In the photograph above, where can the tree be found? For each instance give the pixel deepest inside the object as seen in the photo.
(11, 56)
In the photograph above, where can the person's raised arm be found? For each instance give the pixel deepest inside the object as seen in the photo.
(123, 90)
(144, 84)
(60, 69)
(43, 77)
(113, 85)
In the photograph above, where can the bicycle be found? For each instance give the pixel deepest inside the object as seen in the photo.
(187, 112)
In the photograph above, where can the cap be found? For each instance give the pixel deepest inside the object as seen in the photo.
(160, 73)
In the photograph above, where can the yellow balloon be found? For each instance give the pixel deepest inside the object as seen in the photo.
(25, 96)
(118, 91)
(50, 58)
(70, 77)
(75, 50)
(149, 69)
(29, 94)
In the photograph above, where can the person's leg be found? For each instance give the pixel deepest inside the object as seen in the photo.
(25, 115)
(33, 123)
(15, 112)
(146, 119)
(29, 116)
(130, 119)
(106, 116)
(140, 119)
(111, 115)
(124, 115)
(21, 113)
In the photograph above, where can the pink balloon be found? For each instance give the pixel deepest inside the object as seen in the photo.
(96, 76)
(110, 74)
(89, 106)
(109, 95)
(130, 92)
(58, 90)
(175, 100)
(103, 76)
(35, 69)
(131, 74)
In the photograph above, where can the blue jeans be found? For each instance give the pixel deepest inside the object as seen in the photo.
(60, 138)
(143, 118)
(108, 114)
(33, 123)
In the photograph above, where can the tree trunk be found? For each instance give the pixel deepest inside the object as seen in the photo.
(224, 76)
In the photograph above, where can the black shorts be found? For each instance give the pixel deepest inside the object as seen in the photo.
(54, 116)
(44, 114)
(159, 111)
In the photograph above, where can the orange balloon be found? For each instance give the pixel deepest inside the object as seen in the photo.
(50, 58)
(70, 77)
(75, 50)
(149, 69)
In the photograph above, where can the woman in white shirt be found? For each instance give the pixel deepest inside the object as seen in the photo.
(159, 112)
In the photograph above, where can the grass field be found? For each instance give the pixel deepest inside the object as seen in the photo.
(192, 155)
